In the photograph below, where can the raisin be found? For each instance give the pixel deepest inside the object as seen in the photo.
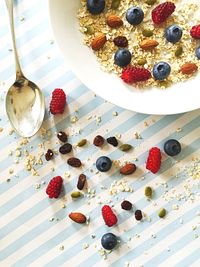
(81, 181)
(66, 148)
(49, 155)
(126, 205)
(138, 215)
(62, 136)
(121, 41)
(98, 140)
(74, 162)
(112, 141)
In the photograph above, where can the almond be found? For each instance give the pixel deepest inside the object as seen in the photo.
(99, 41)
(148, 44)
(127, 169)
(188, 68)
(114, 21)
(77, 217)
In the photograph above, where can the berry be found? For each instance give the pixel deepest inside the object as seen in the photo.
(112, 141)
(108, 216)
(154, 160)
(120, 41)
(54, 187)
(173, 34)
(197, 52)
(138, 215)
(134, 74)
(58, 101)
(122, 57)
(161, 12)
(109, 241)
(172, 147)
(134, 15)
(195, 32)
(161, 70)
(95, 6)
(103, 164)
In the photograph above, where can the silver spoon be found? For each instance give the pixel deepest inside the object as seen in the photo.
(25, 105)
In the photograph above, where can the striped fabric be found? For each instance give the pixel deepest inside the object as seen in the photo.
(36, 231)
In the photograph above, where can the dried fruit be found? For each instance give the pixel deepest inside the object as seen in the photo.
(112, 141)
(189, 68)
(148, 44)
(74, 162)
(65, 149)
(62, 136)
(77, 217)
(141, 61)
(125, 147)
(81, 181)
(147, 32)
(126, 205)
(148, 192)
(49, 155)
(138, 215)
(76, 194)
(179, 51)
(115, 4)
(162, 213)
(99, 41)
(128, 169)
(120, 41)
(98, 141)
(114, 21)
(81, 143)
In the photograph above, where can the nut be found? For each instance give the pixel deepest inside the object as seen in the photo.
(114, 21)
(76, 194)
(179, 51)
(189, 68)
(99, 41)
(128, 169)
(148, 44)
(148, 192)
(74, 162)
(115, 4)
(82, 142)
(147, 32)
(81, 181)
(77, 217)
(162, 213)
(126, 205)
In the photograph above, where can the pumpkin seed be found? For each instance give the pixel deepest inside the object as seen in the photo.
(115, 4)
(148, 191)
(179, 51)
(147, 32)
(82, 143)
(142, 61)
(125, 147)
(76, 194)
(151, 2)
(89, 30)
(162, 212)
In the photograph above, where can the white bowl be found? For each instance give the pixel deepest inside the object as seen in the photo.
(179, 98)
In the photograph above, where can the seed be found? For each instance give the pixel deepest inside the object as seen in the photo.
(74, 162)
(162, 212)
(125, 147)
(49, 155)
(82, 143)
(151, 2)
(76, 194)
(62, 137)
(179, 51)
(126, 205)
(115, 4)
(89, 30)
(147, 33)
(142, 61)
(138, 215)
(98, 140)
(112, 141)
(66, 148)
(81, 181)
(148, 191)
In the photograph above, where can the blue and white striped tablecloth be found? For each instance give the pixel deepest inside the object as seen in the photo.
(36, 231)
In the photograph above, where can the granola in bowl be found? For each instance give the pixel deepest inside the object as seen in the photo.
(147, 43)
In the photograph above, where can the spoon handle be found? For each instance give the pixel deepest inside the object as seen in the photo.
(9, 4)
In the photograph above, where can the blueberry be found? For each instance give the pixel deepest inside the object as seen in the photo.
(103, 164)
(161, 70)
(135, 15)
(95, 6)
(173, 34)
(198, 52)
(122, 57)
(109, 241)
(172, 147)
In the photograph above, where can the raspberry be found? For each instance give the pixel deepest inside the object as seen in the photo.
(195, 32)
(108, 216)
(54, 187)
(162, 12)
(134, 74)
(154, 160)
(58, 101)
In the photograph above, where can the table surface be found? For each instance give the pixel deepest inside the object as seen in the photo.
(36, 231)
